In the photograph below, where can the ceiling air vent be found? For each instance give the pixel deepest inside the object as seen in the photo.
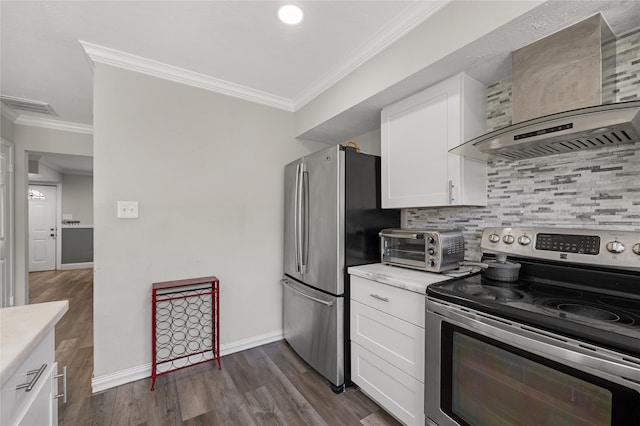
(28, 105)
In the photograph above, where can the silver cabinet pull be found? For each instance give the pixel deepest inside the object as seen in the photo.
(450, 192)
(37, 373)
(315, 299)
(377, 296)
(62, 395)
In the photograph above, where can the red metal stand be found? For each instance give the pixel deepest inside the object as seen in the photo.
(186, 324)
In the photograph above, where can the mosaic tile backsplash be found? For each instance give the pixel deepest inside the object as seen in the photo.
(598, 189)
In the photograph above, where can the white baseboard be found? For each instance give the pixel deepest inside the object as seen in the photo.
(110, 380)
(83, 265)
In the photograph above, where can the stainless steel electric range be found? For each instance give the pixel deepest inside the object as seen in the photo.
(559, 346)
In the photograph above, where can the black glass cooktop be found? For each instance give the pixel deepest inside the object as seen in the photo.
(605, 314)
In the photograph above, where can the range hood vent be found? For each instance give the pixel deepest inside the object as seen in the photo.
(557, 86)
(576, 130)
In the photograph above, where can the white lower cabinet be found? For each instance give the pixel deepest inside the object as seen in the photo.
(387, 347)
(394, 390)
(43, 408)
(29, 395)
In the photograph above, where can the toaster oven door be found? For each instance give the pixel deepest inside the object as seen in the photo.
(403, 249)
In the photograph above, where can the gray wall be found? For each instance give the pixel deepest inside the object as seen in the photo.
(77, 197)
(207, 171)
(77, 245)
(6, 128)
(597, 188)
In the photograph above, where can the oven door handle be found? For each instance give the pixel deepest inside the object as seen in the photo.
(545, 344)
(415, 236)
(597, 364)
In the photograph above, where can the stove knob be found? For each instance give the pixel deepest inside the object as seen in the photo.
(432, 263)
(508, 239)
(636, 248)
(615, 247)
(431, 240)
(494, 238)
(524, 240)
(431, 252)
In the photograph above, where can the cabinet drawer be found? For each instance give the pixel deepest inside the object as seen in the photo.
(403, 304)
(15, 402)
(392, 339)
(394, 390)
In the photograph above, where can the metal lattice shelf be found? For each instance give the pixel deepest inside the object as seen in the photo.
(185, 320)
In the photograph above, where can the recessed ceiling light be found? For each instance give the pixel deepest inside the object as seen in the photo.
(290, 14)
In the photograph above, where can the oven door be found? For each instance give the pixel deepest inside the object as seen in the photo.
(484, 370)
(403, 248)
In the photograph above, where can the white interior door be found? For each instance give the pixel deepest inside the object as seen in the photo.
(6, 224)
(42, 228)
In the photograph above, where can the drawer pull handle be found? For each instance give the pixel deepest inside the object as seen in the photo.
(37, 373)
(63, 395)
(376, 296)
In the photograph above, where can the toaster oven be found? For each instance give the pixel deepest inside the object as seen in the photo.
(427, 250)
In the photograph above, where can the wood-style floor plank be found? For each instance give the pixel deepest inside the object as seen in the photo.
(267, 385)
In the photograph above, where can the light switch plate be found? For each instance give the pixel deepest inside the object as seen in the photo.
(127, 209)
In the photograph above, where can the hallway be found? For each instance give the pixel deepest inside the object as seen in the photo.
(74, 332)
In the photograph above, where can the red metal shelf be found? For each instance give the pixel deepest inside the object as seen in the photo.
(186, 324)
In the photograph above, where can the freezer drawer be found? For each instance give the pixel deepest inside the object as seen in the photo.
(314, 327)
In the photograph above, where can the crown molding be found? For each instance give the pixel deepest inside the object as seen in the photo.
(47, 123)
(127, 61)
(413, 16)
(8, 112)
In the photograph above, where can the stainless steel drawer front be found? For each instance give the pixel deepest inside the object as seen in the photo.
(314, 327)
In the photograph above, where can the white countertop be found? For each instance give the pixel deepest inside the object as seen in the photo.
(22, 328)
(408, 279)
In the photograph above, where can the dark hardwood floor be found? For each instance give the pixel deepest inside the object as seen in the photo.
(267, 385)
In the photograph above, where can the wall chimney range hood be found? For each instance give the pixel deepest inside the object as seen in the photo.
(558, 97)
(575, 130)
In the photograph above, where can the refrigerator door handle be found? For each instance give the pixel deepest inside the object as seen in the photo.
(315, 299)
(297, 218)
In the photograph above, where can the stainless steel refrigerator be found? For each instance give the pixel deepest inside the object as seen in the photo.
(332, 219)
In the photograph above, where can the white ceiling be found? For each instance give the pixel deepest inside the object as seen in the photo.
(64, 163)
(243, 43)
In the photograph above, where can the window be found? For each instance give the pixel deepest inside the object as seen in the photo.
(34, 194)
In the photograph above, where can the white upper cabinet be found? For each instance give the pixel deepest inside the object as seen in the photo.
(418, 132)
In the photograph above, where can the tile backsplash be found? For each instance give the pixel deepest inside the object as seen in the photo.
(597, 188)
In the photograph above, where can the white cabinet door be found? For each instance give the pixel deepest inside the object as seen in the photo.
(414, 150)
(392, 339)
(399, 393)
(43, 409)
(417, 133)
(35, 406)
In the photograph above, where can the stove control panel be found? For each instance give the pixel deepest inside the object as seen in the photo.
(585, 246)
